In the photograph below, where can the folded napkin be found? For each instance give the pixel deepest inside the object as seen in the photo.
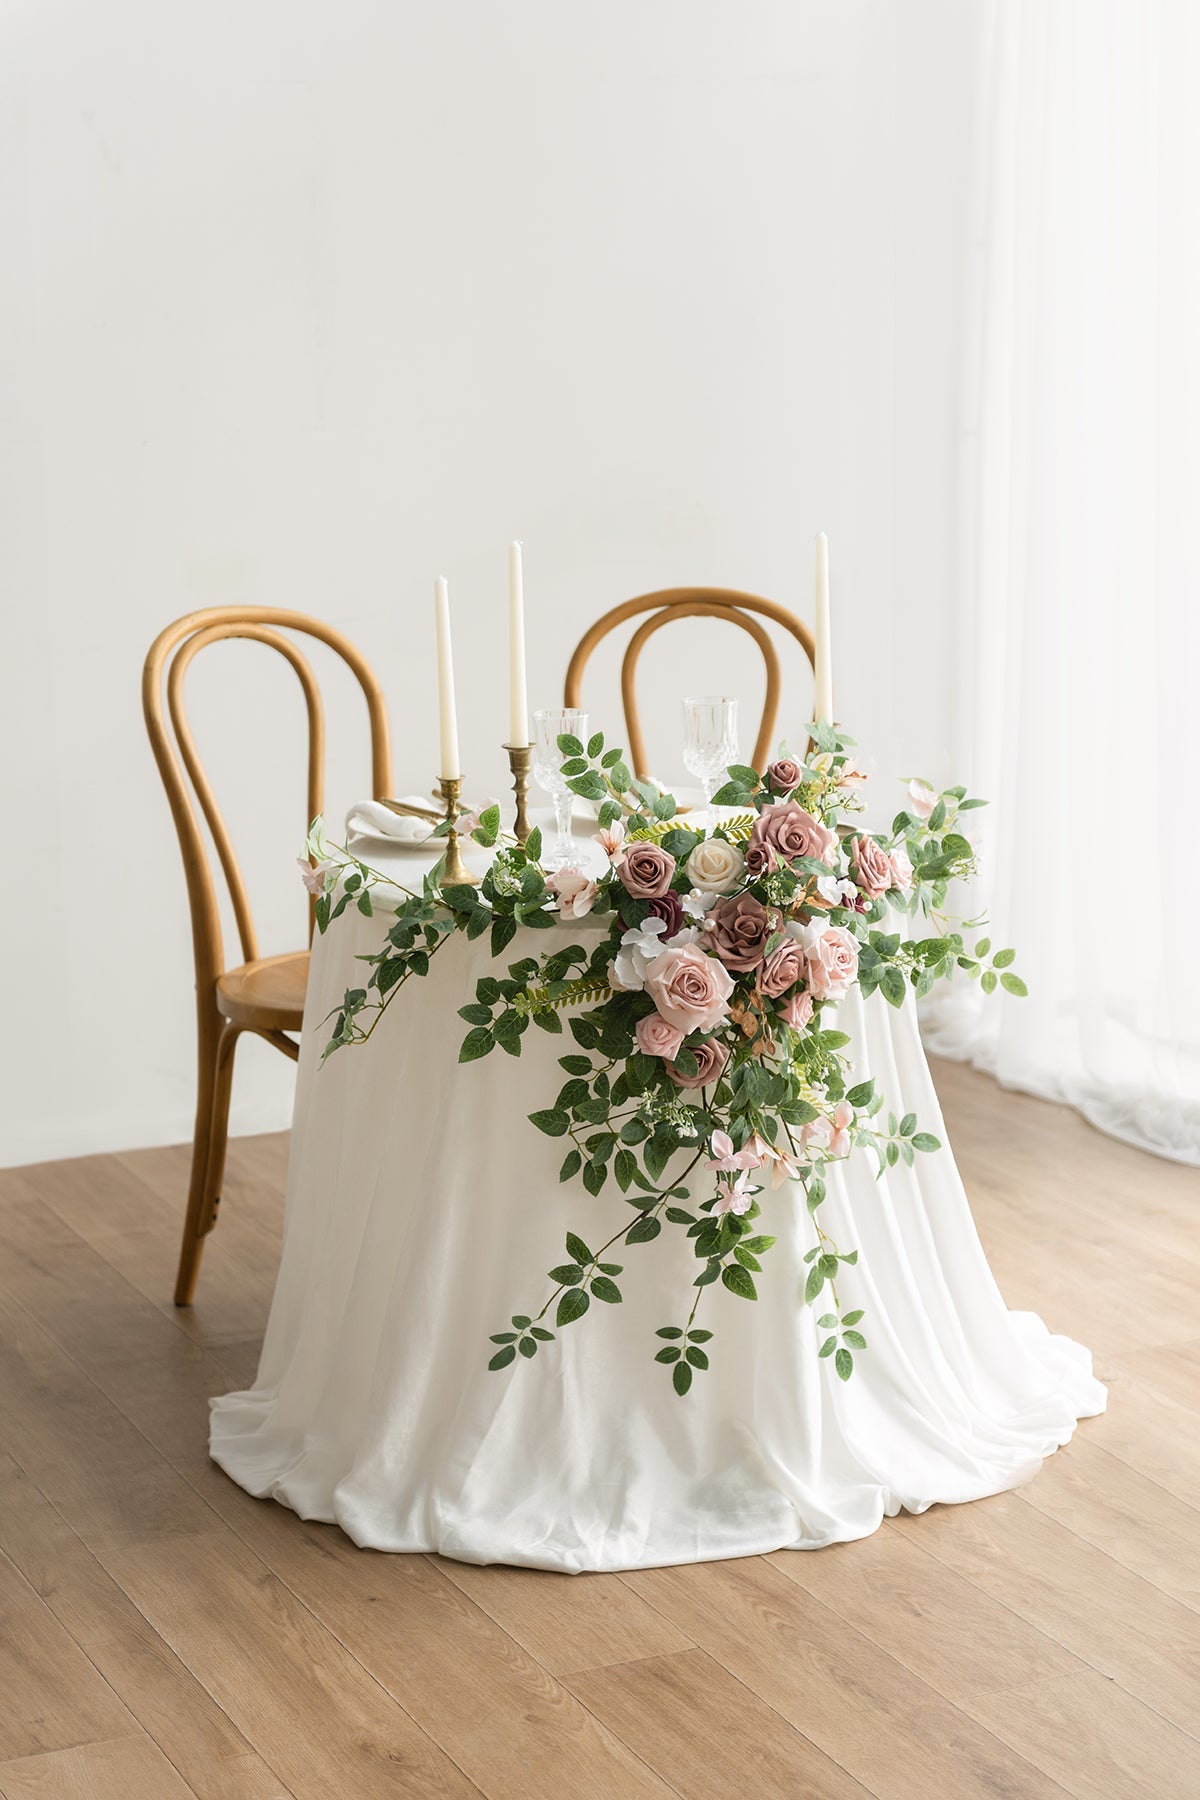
(371, 818)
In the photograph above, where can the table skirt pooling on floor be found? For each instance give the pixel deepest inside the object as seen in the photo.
(423, 1210)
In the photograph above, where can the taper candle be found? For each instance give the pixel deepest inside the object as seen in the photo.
(518, 702)
(447, 711)
(823, 654)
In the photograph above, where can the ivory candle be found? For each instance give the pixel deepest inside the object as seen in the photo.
(823, 657)
(447, 711)
(518, 702)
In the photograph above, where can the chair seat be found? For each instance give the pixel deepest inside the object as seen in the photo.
(268, 994)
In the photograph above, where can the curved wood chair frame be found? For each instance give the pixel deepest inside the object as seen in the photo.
(261, 995)
(667, 605)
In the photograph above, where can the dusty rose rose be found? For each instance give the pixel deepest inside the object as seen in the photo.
(655, 1037)
(711, 1057)
(830, 960)
(690, 990)
(576, 891)
(784, 832)
(612, 841)
(797, 1010)
(313, 879)
(902, 869)
(782, 969)
(920, 799)
(873, 866)
(784, 774)
(669, 908)
(646, 870)
(738, 930)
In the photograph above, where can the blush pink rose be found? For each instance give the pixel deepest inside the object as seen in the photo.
(646, 870)
(738, 929)
(655, 1037)
(921, 799)
(784, 774)
(690, 990)
(797, 1010)
(711, 1057)
(873, 866)
(782, 969)
(781, 833)
(902, 869)
(830, 961)
(576, 891)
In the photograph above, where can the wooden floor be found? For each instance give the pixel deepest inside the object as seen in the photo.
(163, 1635)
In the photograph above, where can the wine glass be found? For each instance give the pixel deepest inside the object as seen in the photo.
(709, 743)
(548, 726)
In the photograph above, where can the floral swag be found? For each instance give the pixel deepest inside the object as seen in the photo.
(705, 1053)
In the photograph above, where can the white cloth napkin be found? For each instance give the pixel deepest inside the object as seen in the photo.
(370, 818)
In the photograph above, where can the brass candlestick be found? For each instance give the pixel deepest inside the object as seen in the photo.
(456, 872)
(519, 758)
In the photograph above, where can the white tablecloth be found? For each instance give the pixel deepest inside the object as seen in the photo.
(423, 1210)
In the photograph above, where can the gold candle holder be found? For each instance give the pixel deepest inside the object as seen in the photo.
(456, 872)
(519, 758)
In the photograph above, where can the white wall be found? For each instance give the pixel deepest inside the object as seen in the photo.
(304, 302)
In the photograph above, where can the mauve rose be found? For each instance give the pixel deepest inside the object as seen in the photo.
(669, 908)
(782, 969)
(830, 960)
(797, 1010)
(690, 990)
(739, 929)
(711, 1057)
(785, 774)
(646, 870)
(873, 866)
(784, 832)
(656, 1037)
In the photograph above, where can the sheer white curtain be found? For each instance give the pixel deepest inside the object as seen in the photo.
(1081, 656)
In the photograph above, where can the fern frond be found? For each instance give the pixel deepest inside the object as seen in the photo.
(570, 993)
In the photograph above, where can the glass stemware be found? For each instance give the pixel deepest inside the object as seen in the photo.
(548, 726)
(709, 743)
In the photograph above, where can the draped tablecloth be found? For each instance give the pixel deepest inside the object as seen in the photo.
(423, 1210)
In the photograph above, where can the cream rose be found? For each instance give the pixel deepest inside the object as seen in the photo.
(715, 866)
(690, 990)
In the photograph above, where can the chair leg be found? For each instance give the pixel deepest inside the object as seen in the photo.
(208, 1152)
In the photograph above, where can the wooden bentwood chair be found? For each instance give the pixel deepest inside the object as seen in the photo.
(261, 994)
(667, 605)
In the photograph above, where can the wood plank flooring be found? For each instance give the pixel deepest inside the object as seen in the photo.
(163, 1635)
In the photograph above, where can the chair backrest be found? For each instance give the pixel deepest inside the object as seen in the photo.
(172, 652)
(667, 605)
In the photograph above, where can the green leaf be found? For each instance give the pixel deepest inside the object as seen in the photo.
(577, 1249)
(571, 1165)
(983, 946)
(476, 1043)
(539, 1331)
(671, 1354)
(696, 1357)
(814, 1284)
(925, 1140)
(856, 1338)
(573, 1304)
(1002, 958)
(892, 986)
(527, 1347)
(595, 744)
(681, 1375)
(570, 746)
(669, 1331)
(988, 980)
(576, 1065)
(828, 1347)
(595, 1174)
(566, 1274)
(1012, 984)
(642, 1231)
(699, 1337)
(551, 1121)
(504, 1337)
(843, 1362)
(739, 1281)
(852, 1318)
(862, 1094)
(908, 1124)
(503, 1357)
(604, 1289)
(624, 1168)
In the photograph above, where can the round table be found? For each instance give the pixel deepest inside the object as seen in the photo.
(423, 1210)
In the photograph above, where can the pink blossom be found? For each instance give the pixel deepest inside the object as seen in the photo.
(313, 879)
(576, 891)
(797, 1010)
(733, 1197)
(851, 776)
(690, 990)
(655, 1037)
(611, 840)
(726, 1159)
(830, 1132)
(921, 799)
